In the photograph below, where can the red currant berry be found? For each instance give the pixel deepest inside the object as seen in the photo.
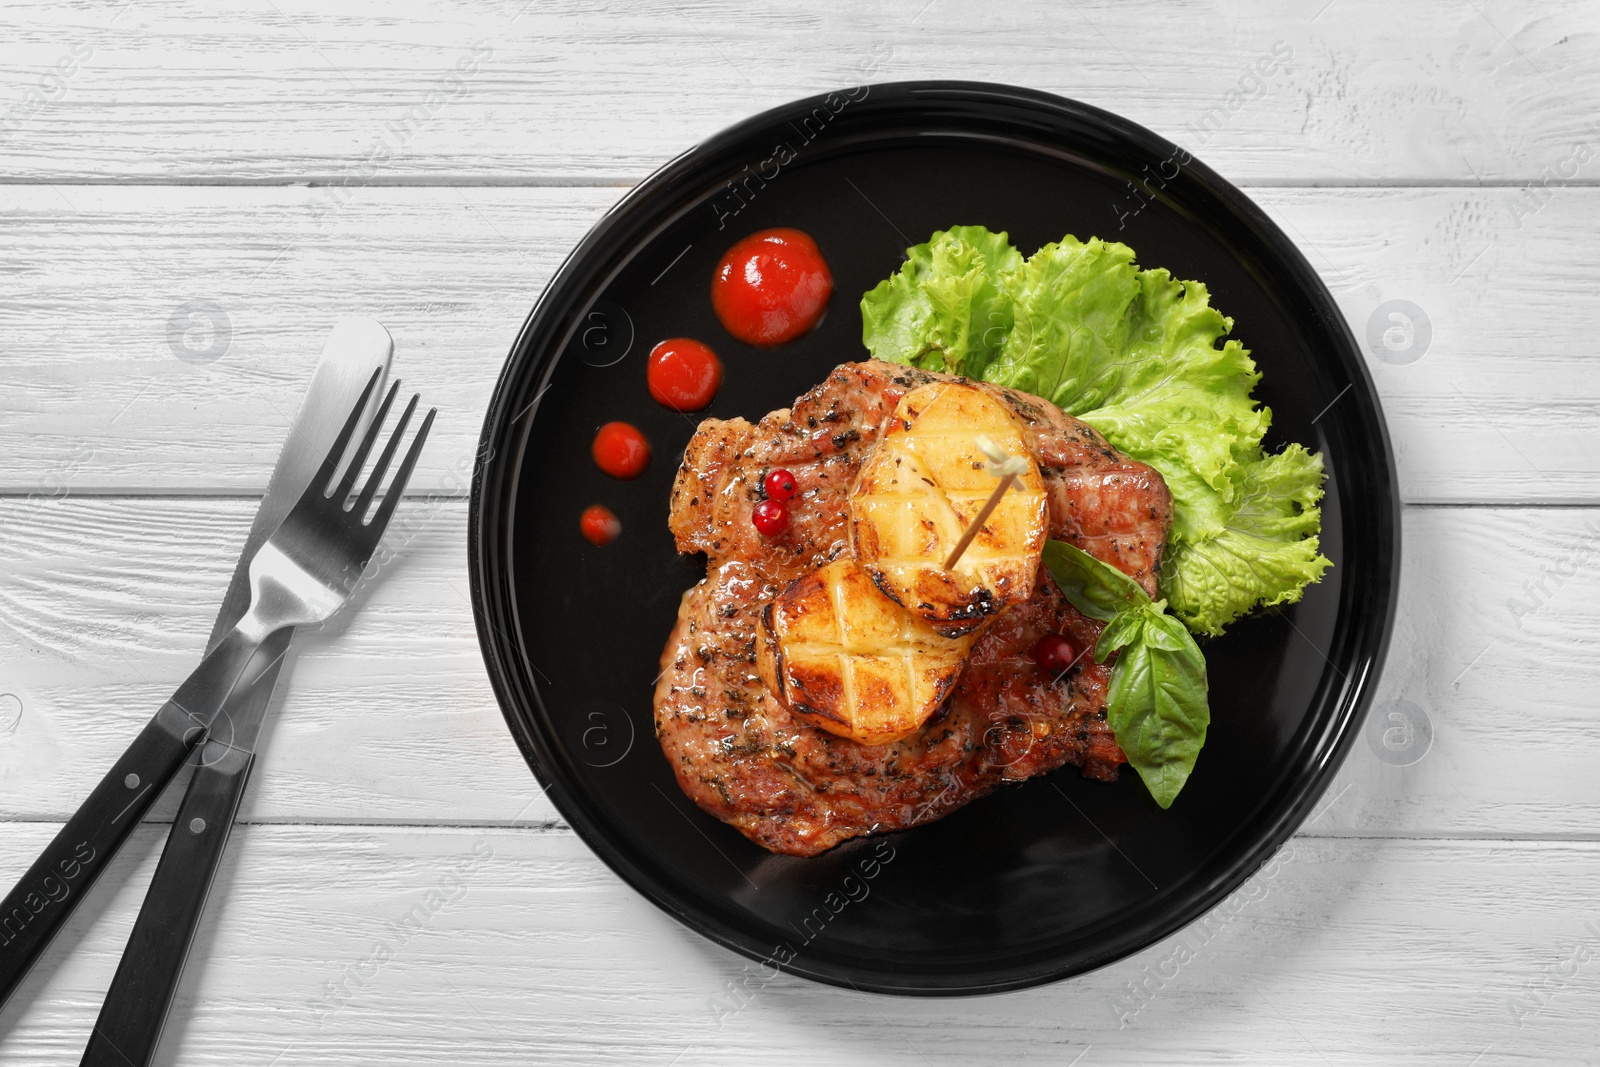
(771, 518)
(779, 484)
(1054, 654)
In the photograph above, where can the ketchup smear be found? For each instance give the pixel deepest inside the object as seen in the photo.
(771, 287)
(620, 450)
(684, 374)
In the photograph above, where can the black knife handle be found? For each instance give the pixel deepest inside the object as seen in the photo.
(135, 1009)
(41, 901)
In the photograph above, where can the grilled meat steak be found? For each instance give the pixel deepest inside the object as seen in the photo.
(800, 790)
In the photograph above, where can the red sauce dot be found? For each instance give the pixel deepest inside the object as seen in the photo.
(684, 374)
(771, 287)
(620, 450)
(599, 524)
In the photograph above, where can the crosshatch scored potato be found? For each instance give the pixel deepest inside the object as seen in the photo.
(840, 655)
(919, 489)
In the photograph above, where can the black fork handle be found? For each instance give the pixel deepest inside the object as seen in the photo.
(40, 903)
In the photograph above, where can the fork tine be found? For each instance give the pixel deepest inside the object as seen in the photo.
(380, 518)
(359, 460)
(325, 473)
(376, 477)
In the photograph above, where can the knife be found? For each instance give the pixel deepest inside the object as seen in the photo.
(135, 1009)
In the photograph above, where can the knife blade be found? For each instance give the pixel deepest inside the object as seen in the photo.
(134, 1013)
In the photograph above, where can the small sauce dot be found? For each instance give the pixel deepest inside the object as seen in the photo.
(620, 450)
(684, 374)
(599, 524)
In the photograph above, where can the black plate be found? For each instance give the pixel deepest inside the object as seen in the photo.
(1043, 880)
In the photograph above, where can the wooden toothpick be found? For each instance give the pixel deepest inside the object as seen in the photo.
(1008, 469)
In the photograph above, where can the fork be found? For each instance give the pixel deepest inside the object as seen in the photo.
(312, 562)
(304, 572)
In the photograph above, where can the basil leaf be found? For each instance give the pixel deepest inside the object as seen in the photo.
(1156, 704)
(1097, 589)
(1120, 632)
(1170, 635)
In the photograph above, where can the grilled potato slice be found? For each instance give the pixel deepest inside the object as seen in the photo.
(840, 655)
(921, 487)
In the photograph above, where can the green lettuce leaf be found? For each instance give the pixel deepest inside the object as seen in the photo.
(946, 308)
(1266, 554)
(1072, 325)
(1134, 354)
(1156, 704)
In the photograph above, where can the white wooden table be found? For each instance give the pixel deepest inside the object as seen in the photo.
(189, 160)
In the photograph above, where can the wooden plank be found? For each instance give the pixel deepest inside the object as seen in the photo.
(1339, 951)
(386, 714)
(96, 399)
(1467, 372)
(516, 92)
(105, 604)
(1490, 659)
(106, 365)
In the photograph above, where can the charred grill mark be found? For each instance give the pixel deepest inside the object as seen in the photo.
(886, 588)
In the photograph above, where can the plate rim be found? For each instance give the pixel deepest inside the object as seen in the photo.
(1283, 809)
